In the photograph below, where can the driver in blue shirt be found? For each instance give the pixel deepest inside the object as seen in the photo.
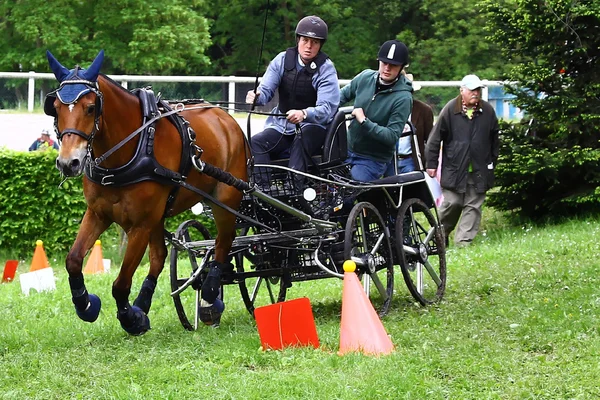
(309, 96)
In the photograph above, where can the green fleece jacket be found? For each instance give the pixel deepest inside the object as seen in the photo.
(386, 111)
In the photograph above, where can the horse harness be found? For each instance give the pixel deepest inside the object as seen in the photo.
(143, 166)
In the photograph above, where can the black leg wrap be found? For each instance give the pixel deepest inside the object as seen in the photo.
(78, 292)
(210, 287)
(144, 299)
(87, 306)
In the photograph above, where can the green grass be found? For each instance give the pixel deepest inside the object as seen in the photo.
(519, 321)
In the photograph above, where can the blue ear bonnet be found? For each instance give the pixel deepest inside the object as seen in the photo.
(71, 89)
(74, 83)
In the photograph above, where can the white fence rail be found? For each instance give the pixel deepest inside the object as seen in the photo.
(230, 80)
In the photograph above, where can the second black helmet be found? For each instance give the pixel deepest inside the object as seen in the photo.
(393, 52)
(312, 27)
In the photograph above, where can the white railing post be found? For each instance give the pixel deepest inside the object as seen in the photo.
(231, 96)
(31, 91)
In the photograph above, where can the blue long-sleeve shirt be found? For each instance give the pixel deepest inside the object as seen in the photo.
(325, 82)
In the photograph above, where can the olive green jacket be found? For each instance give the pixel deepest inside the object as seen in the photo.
(386, 112)
(467, 144)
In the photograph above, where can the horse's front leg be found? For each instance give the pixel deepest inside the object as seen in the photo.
(87, 306)
(211, 307)
(132, 318)
(158, 254)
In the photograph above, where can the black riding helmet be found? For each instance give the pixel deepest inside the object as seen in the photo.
(393, 52)
(312, 27)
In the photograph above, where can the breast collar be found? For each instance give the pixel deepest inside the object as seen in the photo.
(144, 166)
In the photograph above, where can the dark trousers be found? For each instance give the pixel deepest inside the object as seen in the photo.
(271, 145)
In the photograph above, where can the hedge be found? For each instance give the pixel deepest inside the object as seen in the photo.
(35, 205)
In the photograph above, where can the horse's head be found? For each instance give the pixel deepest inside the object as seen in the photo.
(76, 107)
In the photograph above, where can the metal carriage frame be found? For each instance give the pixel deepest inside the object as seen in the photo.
(304, 226)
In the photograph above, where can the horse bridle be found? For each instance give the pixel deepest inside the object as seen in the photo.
(93, 87)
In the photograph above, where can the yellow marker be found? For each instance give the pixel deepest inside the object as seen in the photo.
(97, 242)
(349, 266)
(38, 242)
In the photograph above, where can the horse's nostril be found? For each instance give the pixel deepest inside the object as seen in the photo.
(75, 163)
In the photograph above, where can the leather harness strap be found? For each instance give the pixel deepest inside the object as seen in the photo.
(143, 166)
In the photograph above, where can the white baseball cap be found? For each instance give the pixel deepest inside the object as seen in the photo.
(471, 82)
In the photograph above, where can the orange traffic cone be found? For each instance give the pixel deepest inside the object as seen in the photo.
(94, 263)
(361, 329)
(39, 261)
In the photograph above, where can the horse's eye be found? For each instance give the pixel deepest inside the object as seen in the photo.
(90, 109)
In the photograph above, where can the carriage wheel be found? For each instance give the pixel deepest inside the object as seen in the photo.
(367, 242)
(264, 291)
(188, 301)
(421, 251)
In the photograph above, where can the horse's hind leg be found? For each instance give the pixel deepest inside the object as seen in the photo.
(132, 318)
(158, 254)
(87, 306)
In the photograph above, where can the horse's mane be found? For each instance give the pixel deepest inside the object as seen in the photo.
(111, 81)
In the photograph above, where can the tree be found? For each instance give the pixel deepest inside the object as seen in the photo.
(139, 37)
(238, 30)
(550, 164)
(447, 41)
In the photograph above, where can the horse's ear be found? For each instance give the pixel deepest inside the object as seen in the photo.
(91, 74)
(60, 72)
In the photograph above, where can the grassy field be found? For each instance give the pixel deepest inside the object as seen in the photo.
(519, 321)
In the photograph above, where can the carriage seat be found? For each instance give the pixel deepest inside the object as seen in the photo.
(401, 178)
(335, 146)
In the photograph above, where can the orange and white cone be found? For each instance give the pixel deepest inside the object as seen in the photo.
(94, 263)
(361, 329)
(39, 260)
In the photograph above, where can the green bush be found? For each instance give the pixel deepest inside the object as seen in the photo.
(551, 168)
(35, 205)
(538, 181)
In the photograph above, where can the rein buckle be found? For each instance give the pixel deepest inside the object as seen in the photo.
(103, 183)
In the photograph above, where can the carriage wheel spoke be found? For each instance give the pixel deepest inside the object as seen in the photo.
(379, 285)
(432, 273)
(378, 243)
(270, 289)
(362, 233)
(256, 288)
(410, 250)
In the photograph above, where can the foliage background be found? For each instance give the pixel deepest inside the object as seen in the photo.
(549, 49)
(550, 164)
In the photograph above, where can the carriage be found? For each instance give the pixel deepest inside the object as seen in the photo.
(303, 226)
(146, 159)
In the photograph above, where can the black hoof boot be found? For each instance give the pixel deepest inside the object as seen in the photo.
(211, 315)
(92, 310)
(134, 321)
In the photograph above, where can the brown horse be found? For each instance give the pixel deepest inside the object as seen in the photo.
(93, 114)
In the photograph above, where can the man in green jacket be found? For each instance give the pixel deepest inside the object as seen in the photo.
(382, 104)
(468, 129)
